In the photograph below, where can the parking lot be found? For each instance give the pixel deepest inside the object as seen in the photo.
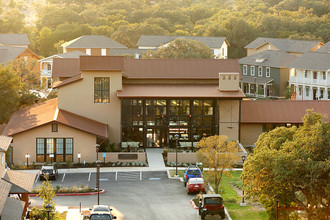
(136, 195)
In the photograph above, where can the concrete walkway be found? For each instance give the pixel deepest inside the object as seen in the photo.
(155, 158)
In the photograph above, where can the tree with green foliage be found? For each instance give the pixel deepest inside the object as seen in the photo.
(181, 48)
(12, 21)
(9, 93)
(219, 155)
(292, 164)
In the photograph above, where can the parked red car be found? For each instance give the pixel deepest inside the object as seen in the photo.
(195, 185)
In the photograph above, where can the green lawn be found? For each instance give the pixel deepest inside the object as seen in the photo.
(180, 173)
(232, 200)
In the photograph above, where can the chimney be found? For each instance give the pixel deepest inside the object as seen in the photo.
(228, 82)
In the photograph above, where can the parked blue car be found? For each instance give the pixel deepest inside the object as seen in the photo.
(191, 172)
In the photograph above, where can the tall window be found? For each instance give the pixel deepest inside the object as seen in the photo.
(260, 71)
(252, 70)
(300, 90)
(305, 73)
(101, 90)
(314, 75)
(54, 127)
(324, 76)
(244, 69)
(267, 71)
(62, 148)
(307, 91)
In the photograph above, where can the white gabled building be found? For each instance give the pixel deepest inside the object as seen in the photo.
(310, 76)
(46, 67)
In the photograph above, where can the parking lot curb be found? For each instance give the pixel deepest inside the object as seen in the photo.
(73, 194)
(193, 204)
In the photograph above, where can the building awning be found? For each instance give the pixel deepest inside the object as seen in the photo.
(256, 80)
(176, 91)
(21, 182)
(281, 111)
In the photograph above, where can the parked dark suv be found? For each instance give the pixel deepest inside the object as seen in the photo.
(211, 204)
(49, 171)
(191, 172)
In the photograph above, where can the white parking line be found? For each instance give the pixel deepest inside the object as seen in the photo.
(116, 176)
(37, 178)
(140, 175)
(89, 176)
(63, 177)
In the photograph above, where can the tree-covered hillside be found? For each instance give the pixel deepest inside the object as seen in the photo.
(241, 21)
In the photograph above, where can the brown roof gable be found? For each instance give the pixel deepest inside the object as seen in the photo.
(65, 67)
(47, 112)
(179, 68)
(281, 111)
(4, 142)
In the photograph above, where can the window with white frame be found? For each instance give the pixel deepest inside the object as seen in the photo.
(88, 51)
(260, 71)
(300, 90)
(324, 76)
(305, 73)
(252, 70)
(267, 71)
(322, 93)
(244, 69)
(314, 75)
(307, 91)
(103, 52)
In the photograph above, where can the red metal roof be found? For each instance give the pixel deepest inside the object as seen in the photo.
(47, 112)
(281, 111)
(179, 68)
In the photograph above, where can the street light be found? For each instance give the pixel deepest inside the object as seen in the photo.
(176, 154)
(243, 203)
(48, 208)
(98, 180)
(277, 212)
(27, 156)
(98, 173)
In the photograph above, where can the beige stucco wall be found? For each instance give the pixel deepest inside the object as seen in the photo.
(260, 49)
(250, 133)
(94, 51)
(229, 122)
(113, 157)
(182, 157)
(78, 98)
(25, 142)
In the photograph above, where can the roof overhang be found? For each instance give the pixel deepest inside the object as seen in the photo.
(176, 91)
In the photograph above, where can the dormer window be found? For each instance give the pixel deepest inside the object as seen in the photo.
(260, 60)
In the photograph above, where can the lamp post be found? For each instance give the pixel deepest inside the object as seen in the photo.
(79, 156)
(176, 154)
(277, 212)
(98, 180)
(243, 203)
(97, 146)
(51, 158)
(27, 156)
(48, 208)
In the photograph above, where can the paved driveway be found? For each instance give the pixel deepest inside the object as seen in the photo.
(136, 195)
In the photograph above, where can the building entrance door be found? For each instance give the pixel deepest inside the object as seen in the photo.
(156, 137)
